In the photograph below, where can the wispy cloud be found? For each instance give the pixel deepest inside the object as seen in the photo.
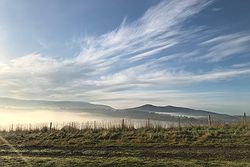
(216, 9)
(241, 65)
(158, 29)
(132, 58)
(228, 45)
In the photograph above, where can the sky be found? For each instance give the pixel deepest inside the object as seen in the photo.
(191, 53)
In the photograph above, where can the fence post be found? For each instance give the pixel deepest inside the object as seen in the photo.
(123, 124)
(244, 119)
(50, 125)
(209, 121)
(179, 122)
(94, 125)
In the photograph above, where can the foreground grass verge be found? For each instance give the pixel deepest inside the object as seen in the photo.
(103, 162)
(189, 146)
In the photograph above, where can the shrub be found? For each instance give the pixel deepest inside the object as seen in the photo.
(69, 128)
(44, 129)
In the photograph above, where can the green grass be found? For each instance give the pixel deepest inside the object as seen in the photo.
(121, 162)
(224, 145)
(222, 136)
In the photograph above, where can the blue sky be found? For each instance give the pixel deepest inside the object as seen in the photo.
(192, 53)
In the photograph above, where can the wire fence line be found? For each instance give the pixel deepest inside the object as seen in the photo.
(104, 124)
(116, 123)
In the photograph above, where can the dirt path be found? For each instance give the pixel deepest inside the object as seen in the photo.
(226, 153)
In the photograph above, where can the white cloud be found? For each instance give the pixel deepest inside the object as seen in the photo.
(158, 29)
(144, 77)
(122, 66)
(225, 46)
(216, 9)
(241, 65)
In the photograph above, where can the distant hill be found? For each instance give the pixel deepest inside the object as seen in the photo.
(166, 112)
(162, 113)
(61, 105)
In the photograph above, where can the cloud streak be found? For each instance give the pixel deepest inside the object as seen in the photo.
(158, 29)
(139, 58)
(228, 45)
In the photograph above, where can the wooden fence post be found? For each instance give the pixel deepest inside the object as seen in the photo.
(179, 122)
(123, 124)
(50, 125)
(244, 119)
(209, 121)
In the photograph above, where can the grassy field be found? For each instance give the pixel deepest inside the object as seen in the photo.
(224, 145)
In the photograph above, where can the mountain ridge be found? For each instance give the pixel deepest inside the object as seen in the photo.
(177, 111)
(167, 112)
(50, 103)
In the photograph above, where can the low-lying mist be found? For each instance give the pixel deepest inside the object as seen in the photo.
(24, 118)
(33, 116)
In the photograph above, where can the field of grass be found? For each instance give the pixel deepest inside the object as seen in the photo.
(224, 145)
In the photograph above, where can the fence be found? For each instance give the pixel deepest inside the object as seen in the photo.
(107, 124)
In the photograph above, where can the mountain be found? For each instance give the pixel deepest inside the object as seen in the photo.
(162, 113)
(177, 111)
(61, 105)
(172, 113)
